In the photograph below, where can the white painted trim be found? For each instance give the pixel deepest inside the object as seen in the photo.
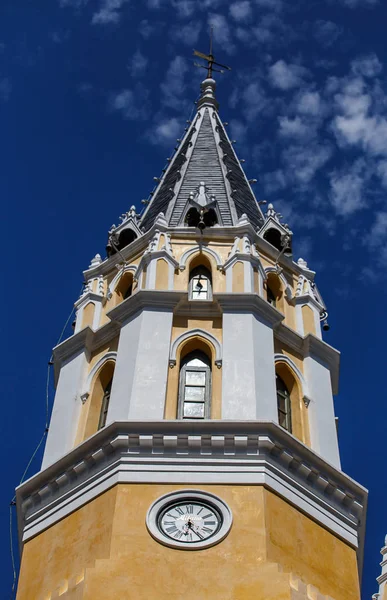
(191, 333)
(97, 314)
(192, 453)
(86, 387)
(282, 278)
(201, 250)
(188, 495)
(288, 361)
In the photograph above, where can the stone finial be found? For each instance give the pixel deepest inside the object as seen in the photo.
(208, 87)
(95, 261)
(302, 263)
(270, 211)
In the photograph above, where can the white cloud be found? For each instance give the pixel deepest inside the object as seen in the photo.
(367, 66)
(274, 181)
(238, 130)
(188, 34)
(309, 103)
(146, 29)
(381, 170)
(377, 235)
(222, 34)
(173, 86)
(132, 104)
(108, 13)
(286, 76)
(138, 64)
(357, 3)
(254, 100)
(166, 131)
(241, 10)
(358, 124)
(271, 29)
(303, 162)
(184, 8)
(295, 128)
(326, 32)
(347, 188)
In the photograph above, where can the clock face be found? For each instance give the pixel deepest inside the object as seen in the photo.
(189, 521)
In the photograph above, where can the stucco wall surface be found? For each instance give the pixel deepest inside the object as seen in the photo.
(103, 551)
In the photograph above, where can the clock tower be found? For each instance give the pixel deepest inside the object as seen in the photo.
(192, 450)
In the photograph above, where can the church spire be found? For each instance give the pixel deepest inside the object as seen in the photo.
(204, 157)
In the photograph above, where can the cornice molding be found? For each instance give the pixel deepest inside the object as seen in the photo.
(313, 346)
(163, 300)
(246, 302)
(220, 452)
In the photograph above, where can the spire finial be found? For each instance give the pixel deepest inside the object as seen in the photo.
(208, 86)
(210, 59)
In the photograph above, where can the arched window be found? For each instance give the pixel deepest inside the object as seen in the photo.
(105, 405)
(200, 287)
(124, 288)
(195, 386)
(283, 405)
(97, 405)
(274, 293)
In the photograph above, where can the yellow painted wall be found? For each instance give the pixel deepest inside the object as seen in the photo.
(88, 315)
(238, 277)
(162, 270)
(308, 318)
(106, 546)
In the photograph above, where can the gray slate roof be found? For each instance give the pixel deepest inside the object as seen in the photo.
(205, 154)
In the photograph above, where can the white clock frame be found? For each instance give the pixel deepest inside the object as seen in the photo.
(185, 496)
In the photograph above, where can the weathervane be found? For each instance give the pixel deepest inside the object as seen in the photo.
(210, 60)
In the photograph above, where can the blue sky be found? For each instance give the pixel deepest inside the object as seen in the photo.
(93, 95)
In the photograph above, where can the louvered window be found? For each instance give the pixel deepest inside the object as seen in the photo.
(195, 387)
(283, 405)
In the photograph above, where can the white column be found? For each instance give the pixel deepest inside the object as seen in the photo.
(249, 390)
(140, 377)
(66, 410)
(321, 412)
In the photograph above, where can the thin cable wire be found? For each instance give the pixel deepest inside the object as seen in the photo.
(13, 502)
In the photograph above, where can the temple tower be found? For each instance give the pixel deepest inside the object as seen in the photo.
(192, 451)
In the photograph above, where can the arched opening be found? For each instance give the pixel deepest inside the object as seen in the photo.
(274, 293)
(124, 288)
(126, 237)
(192, 217)
(195, 386)
(273, 236)
(283, 404)
(200, 279)
(99, 400)
(292, 412)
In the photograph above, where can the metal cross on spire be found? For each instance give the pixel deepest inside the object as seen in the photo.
(210, 60)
